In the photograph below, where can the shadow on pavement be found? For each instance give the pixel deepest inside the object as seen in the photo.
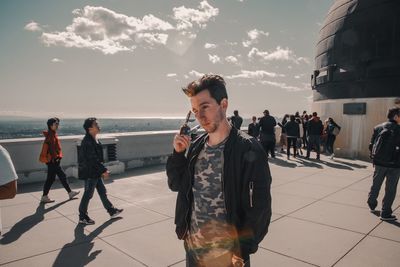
(27, 223)
(79, 251)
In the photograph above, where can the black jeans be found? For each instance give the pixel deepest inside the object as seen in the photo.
(90, 186)
(329, 143)
(268, 143)
(392, 178)
(291, 141)
(53, 169)
(313, 141)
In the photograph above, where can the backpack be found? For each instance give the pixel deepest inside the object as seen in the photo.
(386, 148)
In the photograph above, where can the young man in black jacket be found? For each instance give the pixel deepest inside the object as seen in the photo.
(314, 131)
(267, 133)
(223, 207)
(92, 170)
(386, 157)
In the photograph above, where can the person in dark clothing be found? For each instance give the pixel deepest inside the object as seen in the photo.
(282, 138)
(388, 168)
(304, 120)
(292, 130)
(236, 120)
(254, 128)
(267, 133)
(331, 136)
(314, 131)
(93, 171)
(223, 206)
(51, 155)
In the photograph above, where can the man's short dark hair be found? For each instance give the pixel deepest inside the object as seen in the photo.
(88, 123)
(393, 112)
(236, 112)
(315, 114)
(215, 84)
(266, 112)
(51, 121)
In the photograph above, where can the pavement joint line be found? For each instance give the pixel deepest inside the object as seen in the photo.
(287, 256)
(135, 203)
(297, 179)
(135, 228)
(288, 214)
(31, 256)
(176, 263)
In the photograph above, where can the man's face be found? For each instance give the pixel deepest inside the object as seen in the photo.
(95, 129)
(208, 112)
(54, 127)
(397, 119)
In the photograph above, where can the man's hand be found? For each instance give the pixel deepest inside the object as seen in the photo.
(106, 175)
(181, 142)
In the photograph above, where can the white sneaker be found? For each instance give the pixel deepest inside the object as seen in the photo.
(46, 199)
(72, 194)
(332, 155)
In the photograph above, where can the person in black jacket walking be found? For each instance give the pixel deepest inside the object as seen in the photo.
(292, 130)
(267, 133)
(385, 151)
(314, 131)
(223, 181)
(254, 128)
(93, 171)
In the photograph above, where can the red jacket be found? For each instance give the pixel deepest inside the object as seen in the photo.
(51, 148)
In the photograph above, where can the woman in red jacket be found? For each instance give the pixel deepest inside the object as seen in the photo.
(51, 155)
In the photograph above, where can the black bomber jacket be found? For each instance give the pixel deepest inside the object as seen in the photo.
(246, 183)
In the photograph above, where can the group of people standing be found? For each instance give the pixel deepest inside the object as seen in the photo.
(305, 131)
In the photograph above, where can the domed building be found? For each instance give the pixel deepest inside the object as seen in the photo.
(357, 69)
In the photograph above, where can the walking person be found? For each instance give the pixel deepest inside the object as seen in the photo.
(333, 129)
(254, 128)
(292, 134)
(282, 138)
(8, 178)
(51, 155)
(267, 133)
(314, 131)
(223, 206)
(304, 120)
(236, 120)
(93, 171)
(385, 152)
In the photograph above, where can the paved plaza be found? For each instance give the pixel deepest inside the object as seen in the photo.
(320, 218)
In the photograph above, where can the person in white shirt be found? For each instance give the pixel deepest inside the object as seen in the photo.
(8, 177)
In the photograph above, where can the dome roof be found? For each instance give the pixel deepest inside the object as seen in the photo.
(358, 51)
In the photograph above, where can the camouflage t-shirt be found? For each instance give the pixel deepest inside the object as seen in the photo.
(210, 236)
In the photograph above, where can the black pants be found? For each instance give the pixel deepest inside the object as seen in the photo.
(392, 178)
(53, 169)
(268, 143)
(329, 143)
(291, 141)
(90, 186)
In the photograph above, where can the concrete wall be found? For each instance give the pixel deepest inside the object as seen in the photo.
(133, 150)
(355, 135)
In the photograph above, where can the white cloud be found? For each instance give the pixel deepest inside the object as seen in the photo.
(284, 86)
(170, 75)
(214, 58)
(210, 46)
(254, 36)
(231, 59)
(57, 60)
(257, 74)
(283, 54)
(33, 26)
(195, 74)
(188, 17)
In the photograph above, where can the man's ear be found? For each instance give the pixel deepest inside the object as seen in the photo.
(224, 104)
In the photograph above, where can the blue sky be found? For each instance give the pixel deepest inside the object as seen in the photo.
(130, 58)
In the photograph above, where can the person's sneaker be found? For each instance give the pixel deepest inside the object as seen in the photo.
(46, 199)
(86, 221)
(318, 158)
(371, 208)
(332, 155)
(388, 218)
(115, 212)
(72, 194)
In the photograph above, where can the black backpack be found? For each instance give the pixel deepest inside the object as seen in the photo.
(386, 148)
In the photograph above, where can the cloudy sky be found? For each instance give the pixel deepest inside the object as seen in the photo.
(120, 58)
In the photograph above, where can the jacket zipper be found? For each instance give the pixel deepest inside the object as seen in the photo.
(251, 187)
(187, 196)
